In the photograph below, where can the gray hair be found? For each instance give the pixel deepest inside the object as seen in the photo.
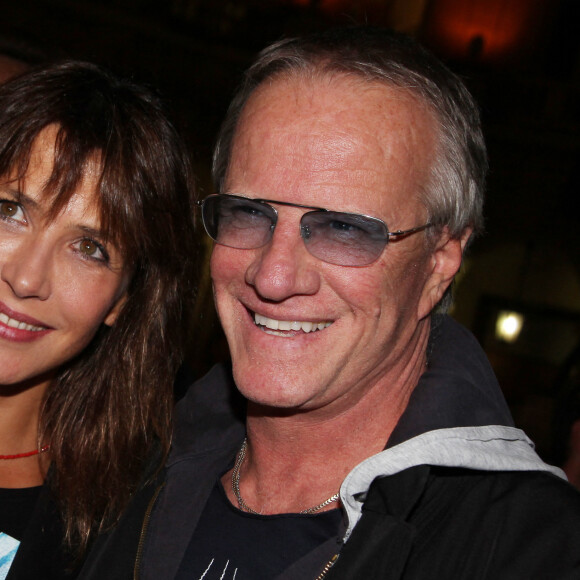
(454, 193)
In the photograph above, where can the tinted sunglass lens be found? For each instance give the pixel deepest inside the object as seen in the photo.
(344, 239)
(237, 222)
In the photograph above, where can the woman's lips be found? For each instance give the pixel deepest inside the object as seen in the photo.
(20, 327)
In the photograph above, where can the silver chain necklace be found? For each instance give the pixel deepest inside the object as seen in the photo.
(244, 506)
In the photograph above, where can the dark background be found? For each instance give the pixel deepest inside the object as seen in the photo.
(519, 57)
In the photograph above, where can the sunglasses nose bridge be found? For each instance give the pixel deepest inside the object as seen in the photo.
(269, 233)
(312, 235)
(305, 231)
(286, 232)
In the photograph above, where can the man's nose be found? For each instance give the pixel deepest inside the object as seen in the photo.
(283, 267)
(26, 266)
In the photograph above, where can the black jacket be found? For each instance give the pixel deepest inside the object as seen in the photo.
(459, 524)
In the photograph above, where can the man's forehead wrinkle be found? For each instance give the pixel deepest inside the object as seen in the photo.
(322, 148)
(326, 142)
(322, 156)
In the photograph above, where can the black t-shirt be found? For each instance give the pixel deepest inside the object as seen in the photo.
(229, 544)
(16, 507)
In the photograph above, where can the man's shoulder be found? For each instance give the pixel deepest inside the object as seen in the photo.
(523, 521)
(460, 523)
(522, 494)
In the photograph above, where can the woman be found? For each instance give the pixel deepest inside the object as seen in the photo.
(95, 287)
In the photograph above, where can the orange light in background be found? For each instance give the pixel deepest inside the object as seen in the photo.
(484, 30)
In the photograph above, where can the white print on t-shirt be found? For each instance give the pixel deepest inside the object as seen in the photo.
(222, 577)
(8, 548)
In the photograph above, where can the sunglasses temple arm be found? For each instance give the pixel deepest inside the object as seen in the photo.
(408, 232)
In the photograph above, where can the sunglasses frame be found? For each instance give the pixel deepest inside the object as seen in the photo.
(269, 203)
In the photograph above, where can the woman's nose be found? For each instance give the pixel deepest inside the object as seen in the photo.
(25, 268)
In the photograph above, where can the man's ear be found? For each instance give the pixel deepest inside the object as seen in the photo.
(444, 264)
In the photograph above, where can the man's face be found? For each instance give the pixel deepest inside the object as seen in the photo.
(344, 145)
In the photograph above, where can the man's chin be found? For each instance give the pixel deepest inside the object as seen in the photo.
(271, 397)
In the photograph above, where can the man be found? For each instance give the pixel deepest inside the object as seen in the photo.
(369, 438)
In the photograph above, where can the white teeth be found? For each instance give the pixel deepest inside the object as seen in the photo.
(282, 325)
(12, 323)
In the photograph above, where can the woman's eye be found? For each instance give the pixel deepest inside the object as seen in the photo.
(12, 211)
(91, 249)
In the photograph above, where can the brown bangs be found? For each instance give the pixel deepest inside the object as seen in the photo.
(91, 135)
(72, 162)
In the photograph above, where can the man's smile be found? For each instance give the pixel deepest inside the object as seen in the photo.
(287, 325)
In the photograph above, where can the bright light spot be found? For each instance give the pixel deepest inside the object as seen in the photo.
(508, 326)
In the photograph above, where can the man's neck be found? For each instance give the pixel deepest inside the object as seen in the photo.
(296, 460)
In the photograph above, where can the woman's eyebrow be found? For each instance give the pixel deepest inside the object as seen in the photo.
(90, 231)
(19, 196)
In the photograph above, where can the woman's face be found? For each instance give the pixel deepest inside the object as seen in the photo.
(59, 281)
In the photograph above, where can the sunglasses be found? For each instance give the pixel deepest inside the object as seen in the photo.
(335, 237)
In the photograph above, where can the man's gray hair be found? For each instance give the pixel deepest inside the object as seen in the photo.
(454, 194)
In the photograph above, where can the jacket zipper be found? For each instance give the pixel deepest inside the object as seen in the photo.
(327, 567)
(145, 525)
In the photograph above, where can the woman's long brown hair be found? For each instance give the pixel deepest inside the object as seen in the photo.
(109, 407)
